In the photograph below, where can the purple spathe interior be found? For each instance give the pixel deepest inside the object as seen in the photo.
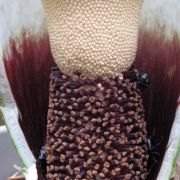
(28, 72)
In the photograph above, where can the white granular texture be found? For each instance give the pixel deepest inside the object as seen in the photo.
(95, 37)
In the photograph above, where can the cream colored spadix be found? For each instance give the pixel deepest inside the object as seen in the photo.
(94, 37)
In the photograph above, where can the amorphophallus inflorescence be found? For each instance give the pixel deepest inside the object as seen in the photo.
(97, 126)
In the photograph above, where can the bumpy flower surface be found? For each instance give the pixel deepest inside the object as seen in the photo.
(94, 37)
(96, 128)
